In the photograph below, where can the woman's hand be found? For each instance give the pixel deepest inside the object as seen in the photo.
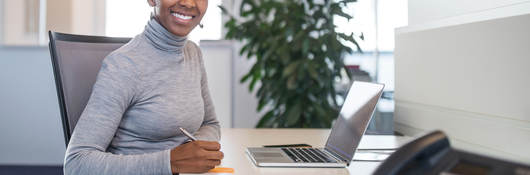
(195, 157)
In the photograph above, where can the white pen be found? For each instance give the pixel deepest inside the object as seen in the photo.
(187, 134)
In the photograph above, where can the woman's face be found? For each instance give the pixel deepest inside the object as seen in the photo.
(179, 16)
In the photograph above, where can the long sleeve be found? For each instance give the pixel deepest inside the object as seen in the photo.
(113, 93)
(210, 128)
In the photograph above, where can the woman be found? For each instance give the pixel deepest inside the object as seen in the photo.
(144, 92)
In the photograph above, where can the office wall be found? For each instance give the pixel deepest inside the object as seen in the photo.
(218, 62)
(234, 104)
(30, 125)
(467, 75)
(245, 102)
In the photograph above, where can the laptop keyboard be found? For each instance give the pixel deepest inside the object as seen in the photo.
(311, 155)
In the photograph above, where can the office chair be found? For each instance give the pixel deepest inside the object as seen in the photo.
(76, 60)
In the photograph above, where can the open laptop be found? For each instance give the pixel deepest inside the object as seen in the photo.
(342, 142)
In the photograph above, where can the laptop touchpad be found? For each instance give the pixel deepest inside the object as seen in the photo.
(267, 154)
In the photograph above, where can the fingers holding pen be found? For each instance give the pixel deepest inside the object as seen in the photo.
(214, 155)
(208, 145)
(196, 156)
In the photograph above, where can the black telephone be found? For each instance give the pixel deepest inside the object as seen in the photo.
(432, 154)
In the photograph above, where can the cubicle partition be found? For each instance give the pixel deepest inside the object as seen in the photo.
(469, 79)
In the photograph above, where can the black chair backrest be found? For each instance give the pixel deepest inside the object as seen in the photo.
(76, 60)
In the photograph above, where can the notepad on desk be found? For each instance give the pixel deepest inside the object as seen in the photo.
(382, 142)
(221, 170)
(376, 148)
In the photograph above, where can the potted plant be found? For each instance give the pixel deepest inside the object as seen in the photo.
(298, 58)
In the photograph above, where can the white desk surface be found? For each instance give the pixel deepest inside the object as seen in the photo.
(235, 141)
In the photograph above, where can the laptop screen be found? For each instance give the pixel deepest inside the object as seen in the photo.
(353, 119)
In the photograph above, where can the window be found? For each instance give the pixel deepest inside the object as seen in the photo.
(127, 18)
(377, 20)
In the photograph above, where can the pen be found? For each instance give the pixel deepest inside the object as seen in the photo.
(187, 134)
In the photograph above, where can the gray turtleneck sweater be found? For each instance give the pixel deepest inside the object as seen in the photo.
(144, 92)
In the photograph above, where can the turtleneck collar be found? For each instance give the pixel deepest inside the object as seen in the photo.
(162, 39)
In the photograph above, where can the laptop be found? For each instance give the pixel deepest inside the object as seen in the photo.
(342, 142)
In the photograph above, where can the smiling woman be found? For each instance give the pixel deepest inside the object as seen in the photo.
(145, 91)
(121, 22)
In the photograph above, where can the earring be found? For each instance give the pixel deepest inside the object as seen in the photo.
(201, 26)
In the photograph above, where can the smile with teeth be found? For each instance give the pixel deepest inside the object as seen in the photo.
(182, 16)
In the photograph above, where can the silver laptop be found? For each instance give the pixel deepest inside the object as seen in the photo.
(342, 142)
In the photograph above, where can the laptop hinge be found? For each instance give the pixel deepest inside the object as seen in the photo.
(337, 156)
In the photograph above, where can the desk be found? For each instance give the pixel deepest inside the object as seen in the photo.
(235, 141)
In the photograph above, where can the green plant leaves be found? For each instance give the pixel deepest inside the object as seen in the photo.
(293, 114)
(266, 121)
(311, 68)
(305, 46)
(291, 82)
(298, 57)
(290, 68)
